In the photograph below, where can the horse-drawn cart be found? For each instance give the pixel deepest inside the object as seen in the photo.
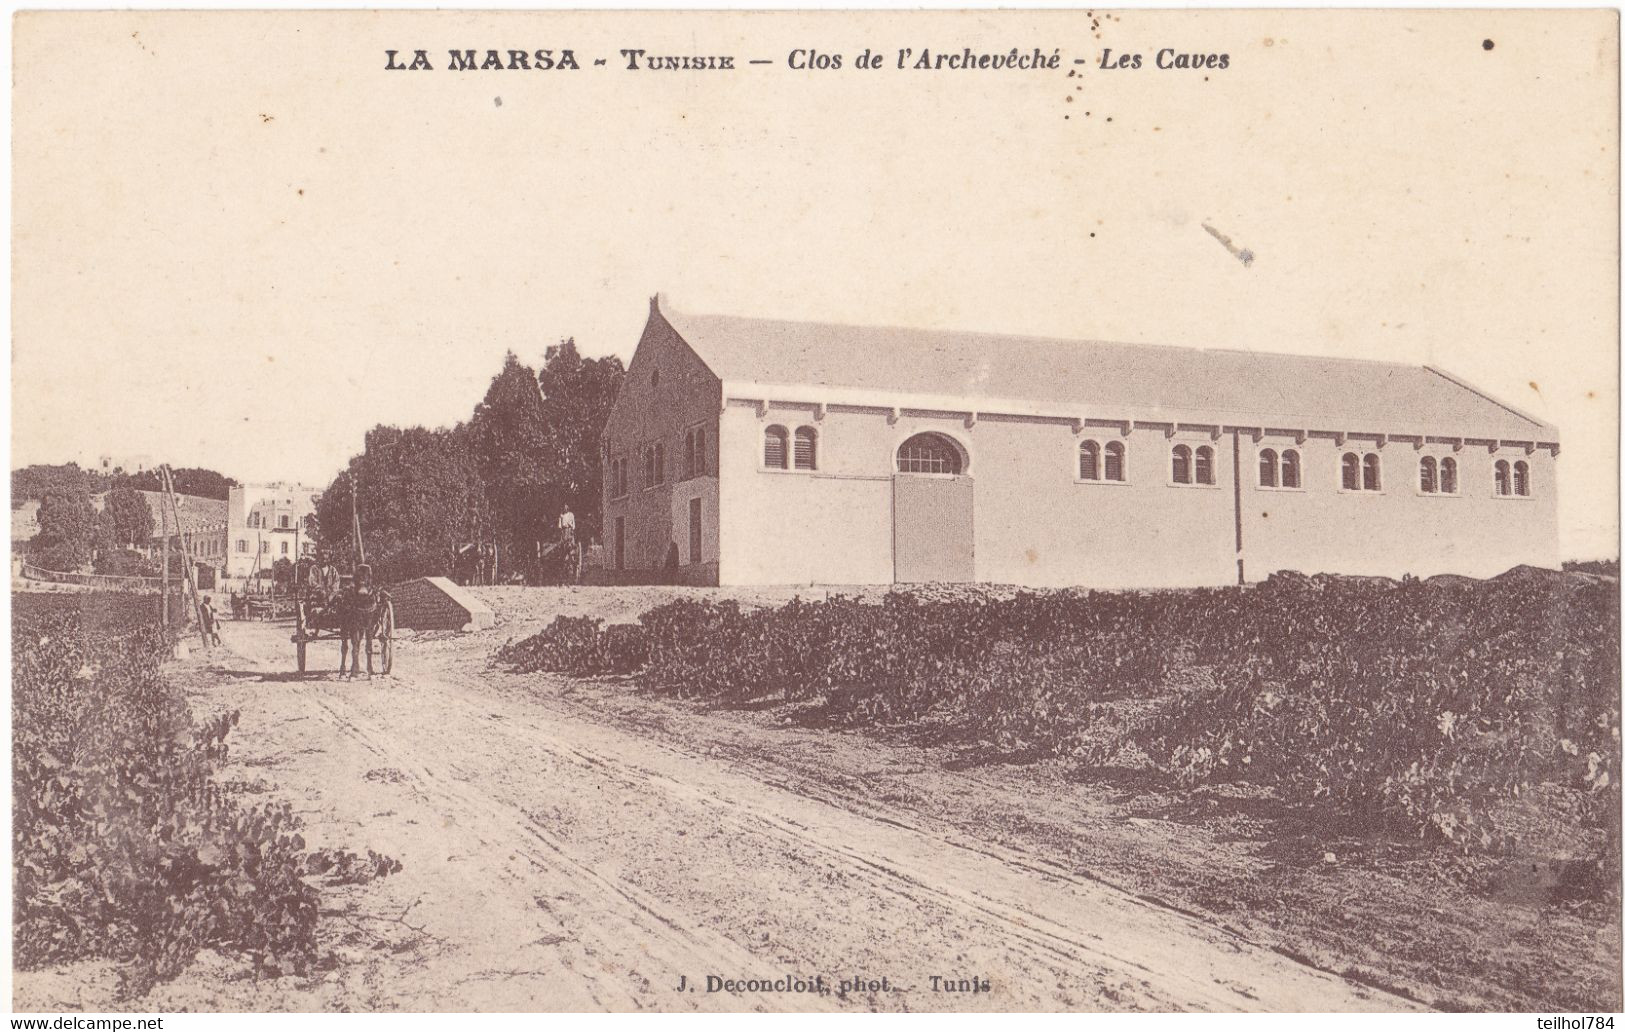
(318, 619)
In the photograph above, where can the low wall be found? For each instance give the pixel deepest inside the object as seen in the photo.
(703, 575)
(436, 604)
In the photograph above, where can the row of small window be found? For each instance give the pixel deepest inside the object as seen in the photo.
(922, 453)
(1190, 465)
(1284, 469)
(265, 547)
(931, 453)
(654, 463)
(1433, 476)
(283, 522)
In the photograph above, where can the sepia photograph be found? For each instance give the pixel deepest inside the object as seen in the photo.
(815, 511)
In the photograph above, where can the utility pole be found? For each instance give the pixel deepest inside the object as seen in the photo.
(163, 515)
(355, 523)
(186, 555)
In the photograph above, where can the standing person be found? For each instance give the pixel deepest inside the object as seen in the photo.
(567, 524)
(211, 622)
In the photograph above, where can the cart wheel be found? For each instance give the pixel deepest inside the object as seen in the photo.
(386, 640)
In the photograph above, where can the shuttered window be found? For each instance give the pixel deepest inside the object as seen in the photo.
(806, 448)
(1182, 464)
(1114, 461)
(1204, 465)
(774, 447)
(1088, 461)
(1373, 473)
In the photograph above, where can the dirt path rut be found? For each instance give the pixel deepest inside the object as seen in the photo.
(555, 861)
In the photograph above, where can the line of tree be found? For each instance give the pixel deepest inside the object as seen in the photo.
(498, 481)
(73, 534)
(33, 483)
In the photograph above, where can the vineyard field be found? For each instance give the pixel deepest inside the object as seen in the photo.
(1429, 711)
(127, 846)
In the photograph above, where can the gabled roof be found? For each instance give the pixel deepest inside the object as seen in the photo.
(1144, 380)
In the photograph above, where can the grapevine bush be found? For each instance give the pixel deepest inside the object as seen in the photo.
(124, 847)
(1417, 708)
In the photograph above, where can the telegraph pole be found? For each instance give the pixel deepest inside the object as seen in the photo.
(186, 555)
(355, 523)
(163, 515)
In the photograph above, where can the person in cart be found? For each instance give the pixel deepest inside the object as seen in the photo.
(324, 580)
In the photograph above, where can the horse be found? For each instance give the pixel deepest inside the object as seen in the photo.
(361, 614)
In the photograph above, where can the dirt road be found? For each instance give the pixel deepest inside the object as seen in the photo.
(560, 856)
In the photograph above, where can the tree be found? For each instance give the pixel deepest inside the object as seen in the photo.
(126, 517)
(577, 395)
(189, 480)
(67, 530)
(418, 494)
(35, 482)
(509, 443)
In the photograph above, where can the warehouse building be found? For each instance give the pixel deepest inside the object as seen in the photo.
(749, 451)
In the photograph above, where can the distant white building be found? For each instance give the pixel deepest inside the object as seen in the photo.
(130, 464)
(753, 451)
(267, 522)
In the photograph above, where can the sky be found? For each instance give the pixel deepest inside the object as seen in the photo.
(239, 242)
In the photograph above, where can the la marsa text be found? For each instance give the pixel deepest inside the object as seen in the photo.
(1166, 58)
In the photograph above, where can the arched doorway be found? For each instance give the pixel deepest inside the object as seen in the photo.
(933, 506)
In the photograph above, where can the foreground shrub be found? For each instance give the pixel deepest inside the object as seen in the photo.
(124, 847)
(578, 646)
(1398, 709)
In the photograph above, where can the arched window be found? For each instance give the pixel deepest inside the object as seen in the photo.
(806, 448)
(775, 447)
(1289, 469)
(1520, 479)
(1269, 468)
(688, 454)
(1351, 471)
(1372, 480)
(1204, 465)
(1182, 464)
(1447, 476)
(1114, 460)
(699, 451)
(1088, 461)
(1428, 475)
(1503, 478)
(930, 453)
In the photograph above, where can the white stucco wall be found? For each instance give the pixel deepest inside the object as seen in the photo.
(1037, 524)
(1398, 530)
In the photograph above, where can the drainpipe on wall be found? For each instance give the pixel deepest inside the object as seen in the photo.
(1235, 473)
